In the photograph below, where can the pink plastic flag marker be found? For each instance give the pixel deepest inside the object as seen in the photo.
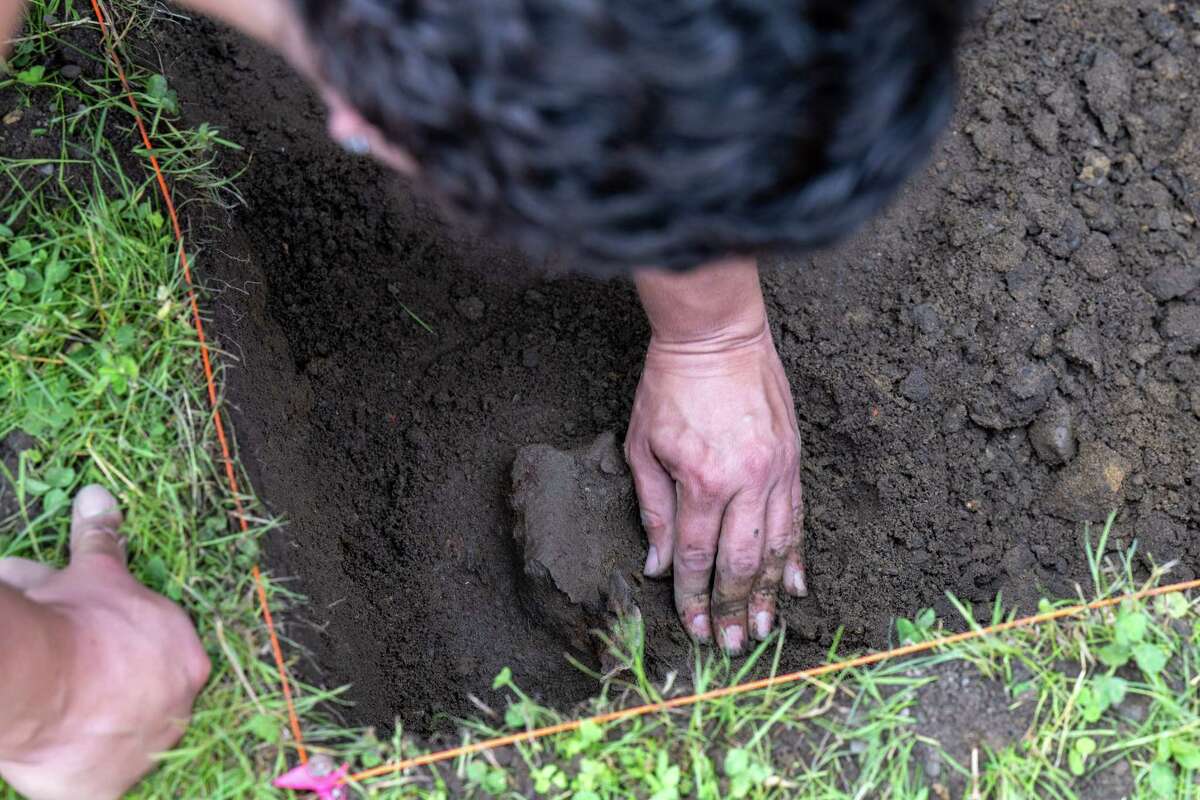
(326, 787)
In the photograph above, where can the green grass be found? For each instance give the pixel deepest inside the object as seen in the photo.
(99, 364)
(855, 732)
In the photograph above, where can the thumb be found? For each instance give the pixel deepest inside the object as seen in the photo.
(23, 574)
(656, 499)
(95, 525)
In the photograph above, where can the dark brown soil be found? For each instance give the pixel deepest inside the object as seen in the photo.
(11, 447)
(1032, 300)
(27, 113)
(962, 711)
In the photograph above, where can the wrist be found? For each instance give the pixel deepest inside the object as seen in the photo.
(725, 342)
(714, 307)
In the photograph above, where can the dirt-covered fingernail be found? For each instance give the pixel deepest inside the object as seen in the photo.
(733, 638)
(652, 563)
(793, 578)
(700, 628)
(762, 624)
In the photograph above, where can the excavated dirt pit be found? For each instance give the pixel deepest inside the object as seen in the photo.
(1011, 351)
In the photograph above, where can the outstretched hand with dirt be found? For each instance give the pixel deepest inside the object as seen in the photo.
(108, 669)
(715, 453)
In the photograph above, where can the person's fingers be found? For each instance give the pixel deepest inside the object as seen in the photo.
(778, 544)
(794, 579)
(739, 560)
(698, 526)
(656, 501)
(95, 525)
(23, 574)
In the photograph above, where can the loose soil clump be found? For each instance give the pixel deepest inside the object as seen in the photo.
(575, 533)
(1009, 352)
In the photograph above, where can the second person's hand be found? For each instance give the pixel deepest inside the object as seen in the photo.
(109, 669)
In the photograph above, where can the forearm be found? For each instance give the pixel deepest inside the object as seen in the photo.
(259, 19)
(716, 304)
(35, 654)
(264, 20)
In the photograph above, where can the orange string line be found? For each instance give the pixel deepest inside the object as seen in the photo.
(763, 683)
(277, 652)
(206, 360)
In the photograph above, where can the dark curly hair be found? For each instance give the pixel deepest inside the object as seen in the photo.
(622, 133)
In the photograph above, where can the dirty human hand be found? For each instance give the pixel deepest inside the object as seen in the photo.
(97, 673)
(715, 452)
